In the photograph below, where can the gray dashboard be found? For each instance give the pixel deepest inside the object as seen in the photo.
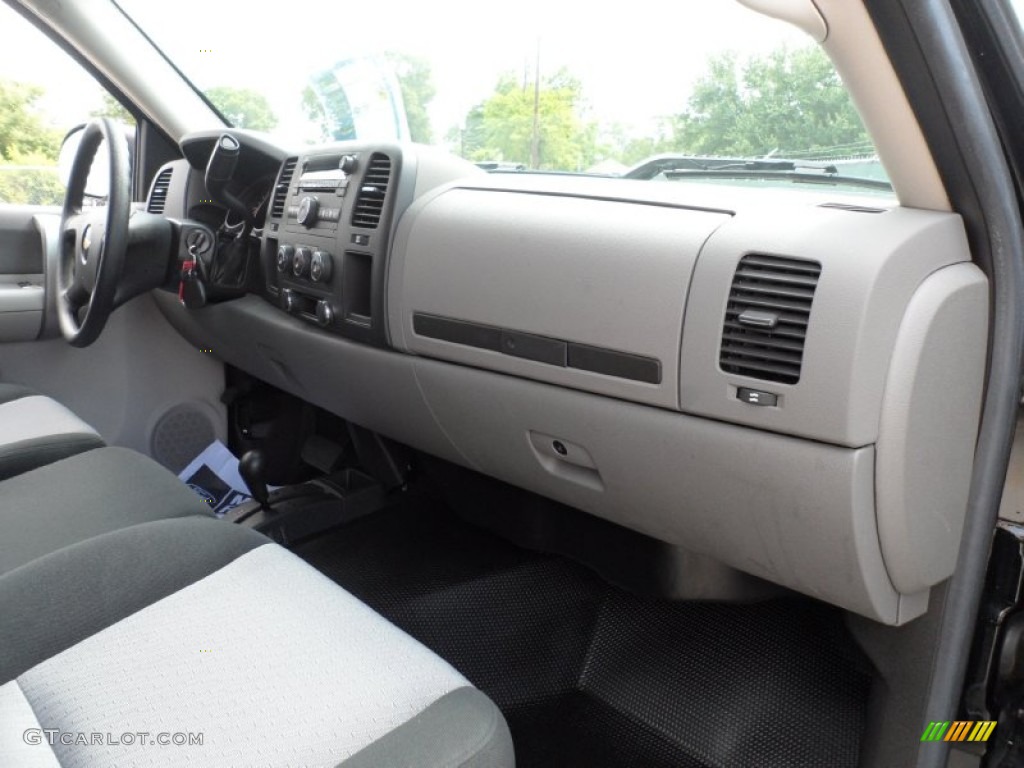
(787, 382)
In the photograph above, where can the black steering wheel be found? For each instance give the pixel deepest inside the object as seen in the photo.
(93, 241)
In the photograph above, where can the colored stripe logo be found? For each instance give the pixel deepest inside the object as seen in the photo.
(959, 730)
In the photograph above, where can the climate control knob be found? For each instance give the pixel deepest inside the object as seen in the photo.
(284, 258)
(324, 313)
(320, 267)
(300, 262)
(309, 209)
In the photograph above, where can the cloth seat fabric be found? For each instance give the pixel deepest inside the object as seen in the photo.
(198, 627)
(36, 430)
(86, 495)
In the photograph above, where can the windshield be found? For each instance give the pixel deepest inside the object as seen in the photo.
(554, 87)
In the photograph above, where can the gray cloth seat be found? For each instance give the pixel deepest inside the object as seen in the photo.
(36, 430)
(86, 495)
(198, 627)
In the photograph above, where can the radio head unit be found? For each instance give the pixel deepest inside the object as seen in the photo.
(326, 173)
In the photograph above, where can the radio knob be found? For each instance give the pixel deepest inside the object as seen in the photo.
(309, 207)
(320, 267)
(289, 301)
(284, 258)
(347, 164)
(324, 313)
(300, 263)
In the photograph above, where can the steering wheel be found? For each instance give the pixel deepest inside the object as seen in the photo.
(93, 241)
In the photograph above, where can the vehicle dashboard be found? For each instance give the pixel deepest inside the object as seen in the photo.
(788, 382)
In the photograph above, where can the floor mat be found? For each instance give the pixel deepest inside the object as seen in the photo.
(589, 675)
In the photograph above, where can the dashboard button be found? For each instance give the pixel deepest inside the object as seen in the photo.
(300, 262)
(756, 397)
(324, 313)
(289, 301)
(285, 254)
(321, 266)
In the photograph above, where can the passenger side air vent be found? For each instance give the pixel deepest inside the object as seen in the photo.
(766, 318)
(158, 195)
(281, 190)
(370, 202)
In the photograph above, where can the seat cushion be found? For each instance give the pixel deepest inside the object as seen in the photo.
(37, 430)
(85, 495)
(259, 655)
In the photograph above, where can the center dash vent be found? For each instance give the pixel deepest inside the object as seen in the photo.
(766, 318)
(281, 190)
(158, 195)
(374, 188)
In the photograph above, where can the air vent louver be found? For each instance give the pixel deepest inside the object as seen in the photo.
(374, 188)
(766, 318)
(281, 190)
(158, 195)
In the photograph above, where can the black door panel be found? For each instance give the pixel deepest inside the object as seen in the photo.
(21, 249)
(22, 278)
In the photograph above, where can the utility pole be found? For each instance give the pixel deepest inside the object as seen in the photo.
(535, 141)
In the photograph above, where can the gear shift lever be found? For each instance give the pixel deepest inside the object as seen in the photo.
(252, 467)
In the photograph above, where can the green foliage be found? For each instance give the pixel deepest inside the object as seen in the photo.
(789, 102)
(501, 127)
(417, 83)
(316, 113)
(114, 109)
(243, 107)
(35, 185)
(28, 148)
(22, 129)
(615, 142)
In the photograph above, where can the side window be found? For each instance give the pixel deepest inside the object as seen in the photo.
(43, 94)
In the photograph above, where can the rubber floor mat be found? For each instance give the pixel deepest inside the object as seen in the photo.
(588, 675)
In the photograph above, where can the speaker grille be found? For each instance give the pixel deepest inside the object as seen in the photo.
(180, 434)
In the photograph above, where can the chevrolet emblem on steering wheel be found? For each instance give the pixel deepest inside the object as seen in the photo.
(86, 243)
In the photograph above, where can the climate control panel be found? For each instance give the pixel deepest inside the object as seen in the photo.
(306, 285)
(319, 310)
(305, 262)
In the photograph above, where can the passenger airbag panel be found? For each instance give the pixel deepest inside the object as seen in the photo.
(585, 293)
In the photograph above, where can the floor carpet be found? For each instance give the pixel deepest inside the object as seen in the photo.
(588, 675)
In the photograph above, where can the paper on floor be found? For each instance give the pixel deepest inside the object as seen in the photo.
(213, 474)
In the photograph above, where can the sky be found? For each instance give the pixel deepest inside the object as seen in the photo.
(637, 60)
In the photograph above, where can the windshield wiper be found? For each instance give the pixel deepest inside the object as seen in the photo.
(681, 166)
(796, 174)
(654, 166)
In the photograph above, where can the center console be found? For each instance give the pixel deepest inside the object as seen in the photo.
(326, 238)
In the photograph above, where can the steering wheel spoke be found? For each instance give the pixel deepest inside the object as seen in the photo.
(75, 297)
(85, 278)
(74, 222)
